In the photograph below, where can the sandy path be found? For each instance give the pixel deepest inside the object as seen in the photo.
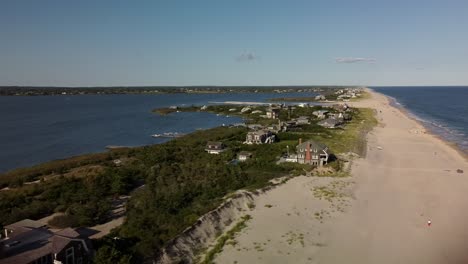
(406, 179)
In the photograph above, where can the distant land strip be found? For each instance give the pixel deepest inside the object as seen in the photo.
(39, 90)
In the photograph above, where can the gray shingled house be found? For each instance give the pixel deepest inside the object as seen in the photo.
(312, 152)
(29, 241)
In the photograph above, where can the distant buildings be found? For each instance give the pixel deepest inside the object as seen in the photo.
(259, 137)
(273, 113)
(29, 241)
(332, 122)
(349, 93)
(302, 120)
(320, 114)
(245, 109)
(215, 147)
(320, 97)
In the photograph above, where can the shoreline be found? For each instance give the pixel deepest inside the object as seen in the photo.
(406, 178)
(427, 130)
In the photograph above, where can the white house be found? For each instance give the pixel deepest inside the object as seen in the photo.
(259, 137)
(244, 155)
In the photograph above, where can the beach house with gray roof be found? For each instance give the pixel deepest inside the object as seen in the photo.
(331, 122)
(29, 241)
(273, 112)
(259, 137)
(312, 152)
(215, 147)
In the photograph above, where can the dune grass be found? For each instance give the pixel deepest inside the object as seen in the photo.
(222, 240)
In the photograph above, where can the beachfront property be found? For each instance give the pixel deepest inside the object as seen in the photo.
(245, 109)
(332, 122)
(254, 126)
(341, 107)
(29, 241)
(273, 112)
(321, 114)
(244, 155)
(215, 147)
(349, 93)
(275, 127)
(310, 152)
(320, 97)
(259, 137)
(302, 120)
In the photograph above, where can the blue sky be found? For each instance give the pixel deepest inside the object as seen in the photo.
(107, 43)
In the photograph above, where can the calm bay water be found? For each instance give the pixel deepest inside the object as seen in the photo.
(443, 110)
(44, 128)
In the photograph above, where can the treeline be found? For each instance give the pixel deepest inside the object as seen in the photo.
(36, 91)
(182, 182)
(18, 177)
(84, 201)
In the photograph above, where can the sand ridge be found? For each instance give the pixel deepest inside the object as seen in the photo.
(379, 215)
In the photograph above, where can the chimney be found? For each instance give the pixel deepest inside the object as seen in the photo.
(308, 157)
(300, 141)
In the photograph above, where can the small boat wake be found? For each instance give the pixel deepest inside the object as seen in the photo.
(168, 135)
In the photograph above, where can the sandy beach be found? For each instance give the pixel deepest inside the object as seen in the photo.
(378, 215)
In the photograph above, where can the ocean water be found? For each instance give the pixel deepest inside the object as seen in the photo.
(44, 128)
(442, 110)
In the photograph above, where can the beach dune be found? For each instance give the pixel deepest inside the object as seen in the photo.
(379, 215)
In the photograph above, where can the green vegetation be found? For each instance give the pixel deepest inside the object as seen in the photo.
(18, 177)
(115, 251)
(226, 238)
(294, 99)
(225, 110)
(168, 110)
(35, 91)
(85, 201)
(182, 181)
(329, 95)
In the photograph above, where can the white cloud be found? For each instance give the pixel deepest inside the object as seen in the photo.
(354, 60)
(247, 56)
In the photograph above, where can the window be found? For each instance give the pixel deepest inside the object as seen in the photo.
(69, 256)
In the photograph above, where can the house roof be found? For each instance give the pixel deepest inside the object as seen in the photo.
(68, 232)
(25, 223)
(245, 153)
(313, 145)
(330, 121)
(27, 246)
(59, 243)
(259, 132)
(34, 243)
(320, 112)
(214, 143)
